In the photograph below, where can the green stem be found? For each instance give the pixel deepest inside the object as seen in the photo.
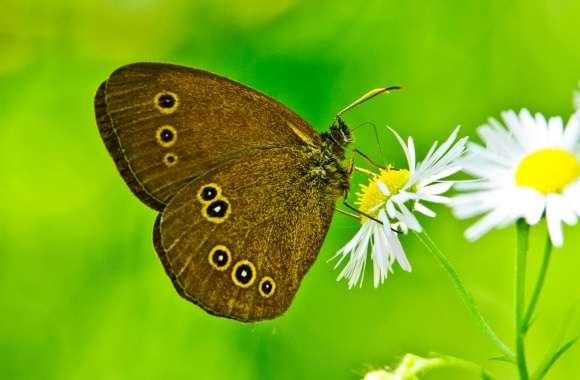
(556, 351)
(523, 230)
(550, 360)
(539, 284)
(466, 296)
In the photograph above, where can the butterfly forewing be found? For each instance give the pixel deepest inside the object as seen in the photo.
(245, 259)
(165, 125)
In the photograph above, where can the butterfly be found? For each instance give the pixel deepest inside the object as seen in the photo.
(245, 188)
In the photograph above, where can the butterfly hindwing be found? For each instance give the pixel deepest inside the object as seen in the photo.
(238, 240)
(165, 124)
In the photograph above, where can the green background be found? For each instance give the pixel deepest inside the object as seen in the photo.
(82, 294)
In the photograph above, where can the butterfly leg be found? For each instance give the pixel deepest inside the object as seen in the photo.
(350, 168)
(354, 216)
(365, 171)
(376, 133)
(355, 151)
(356, 210)
(344, 202)
(369, 160)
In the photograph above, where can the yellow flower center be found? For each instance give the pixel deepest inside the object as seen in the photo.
(371, 195)
(548, 170)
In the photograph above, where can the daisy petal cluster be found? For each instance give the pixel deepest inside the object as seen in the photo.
(530, 170)
(391, 198)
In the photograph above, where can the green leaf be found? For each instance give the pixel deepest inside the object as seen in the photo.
(502, 358)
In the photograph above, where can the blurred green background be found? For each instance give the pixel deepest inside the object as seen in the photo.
(82, 293)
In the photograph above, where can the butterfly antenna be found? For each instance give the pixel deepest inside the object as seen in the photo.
(369, 95)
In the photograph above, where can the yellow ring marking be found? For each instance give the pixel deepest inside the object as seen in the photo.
(215, 186)
(228, 254)
(253, 269)
(216, 219)
(166, 110)
(166, 144)
(264, 279)
(170, 159)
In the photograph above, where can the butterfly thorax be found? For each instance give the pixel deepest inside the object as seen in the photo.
(326, 169)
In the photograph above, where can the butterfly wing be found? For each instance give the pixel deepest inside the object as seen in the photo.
(238, 240)
(165, 125)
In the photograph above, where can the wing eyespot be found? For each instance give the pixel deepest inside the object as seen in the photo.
(267, 287)
(208, 193)
(166, 102)
(244, 274)
(220, 257)
(170, 159)
(166, 136)
(216, 211)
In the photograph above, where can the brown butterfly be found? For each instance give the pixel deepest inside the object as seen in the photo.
(245, 188)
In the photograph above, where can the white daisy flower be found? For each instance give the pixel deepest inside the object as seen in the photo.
(392, 196)
(529, 170)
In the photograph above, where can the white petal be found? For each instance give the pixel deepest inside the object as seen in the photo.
(475, 184)
(409, 219)
(404, 146)
(424, 210)
(438, 188)
(411, 157)
(384, 189)
(381, 265)
(554, 222)
(565, 211)
(572, 132)
(434, 198)
(533, 205)
(481, 227)
(555, 131)
(447, 172)
(572, 195)
(397, 249)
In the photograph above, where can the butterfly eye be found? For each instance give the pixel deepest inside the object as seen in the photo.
(166, 102)
(267, 287)
(208, 192)
(166, 136)
(220, 257)
(244, 273)
(170, 159)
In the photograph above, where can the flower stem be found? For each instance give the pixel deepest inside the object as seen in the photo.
(523, 230)
(465, 295)
(550, 360)
(539, 284)
(557, 349)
